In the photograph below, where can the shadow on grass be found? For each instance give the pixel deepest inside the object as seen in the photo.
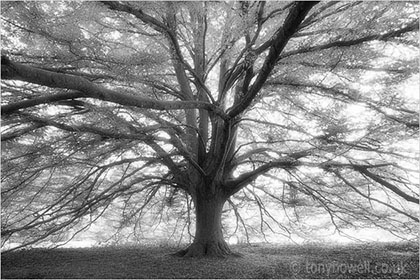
(372, 260)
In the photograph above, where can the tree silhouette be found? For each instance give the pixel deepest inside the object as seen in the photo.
(119, 102)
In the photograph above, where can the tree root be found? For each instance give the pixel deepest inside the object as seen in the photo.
(218, 249)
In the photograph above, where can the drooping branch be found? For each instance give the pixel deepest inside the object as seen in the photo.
(339, 175)
(343, 96)
(388, 185)
(84, 88)
(64, 212)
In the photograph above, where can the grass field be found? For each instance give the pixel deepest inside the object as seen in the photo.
(373, 260)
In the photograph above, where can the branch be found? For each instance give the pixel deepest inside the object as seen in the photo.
(248, 154)
(149, 20)
(10, 108)
(168, 30)
(372, 198)
(413, 26)
(16, 71)
(388, 185)
(346, 97)
(290, 26)
(140, 135)
(393, 70)
(12, 135)
(234, 185)
(89, 129)
(320, 15)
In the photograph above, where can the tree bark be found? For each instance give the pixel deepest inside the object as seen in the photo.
(208, 240)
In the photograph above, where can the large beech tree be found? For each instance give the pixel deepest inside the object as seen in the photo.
(128, 101)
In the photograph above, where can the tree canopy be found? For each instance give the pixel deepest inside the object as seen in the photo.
(305, 107)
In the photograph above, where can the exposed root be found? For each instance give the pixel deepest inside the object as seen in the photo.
(209, 249)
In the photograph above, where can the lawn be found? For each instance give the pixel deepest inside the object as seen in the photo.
(372, 260)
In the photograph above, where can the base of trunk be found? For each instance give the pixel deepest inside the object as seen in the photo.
(207, 249)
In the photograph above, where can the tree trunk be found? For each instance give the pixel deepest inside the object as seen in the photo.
(208, 240)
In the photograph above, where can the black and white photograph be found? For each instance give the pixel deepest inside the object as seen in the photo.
(210, 139)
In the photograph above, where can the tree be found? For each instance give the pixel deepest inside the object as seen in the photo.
(125, 102)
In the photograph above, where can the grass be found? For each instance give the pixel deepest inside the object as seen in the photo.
(373, 260)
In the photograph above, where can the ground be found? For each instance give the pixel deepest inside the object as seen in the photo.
(373, 260)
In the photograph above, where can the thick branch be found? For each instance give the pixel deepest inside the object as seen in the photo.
(290, 26)
(151, 21)
(10, 108)
(236, 184)
(15, 134)
(16, 71)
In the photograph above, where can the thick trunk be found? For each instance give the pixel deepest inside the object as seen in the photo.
(208, 240)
